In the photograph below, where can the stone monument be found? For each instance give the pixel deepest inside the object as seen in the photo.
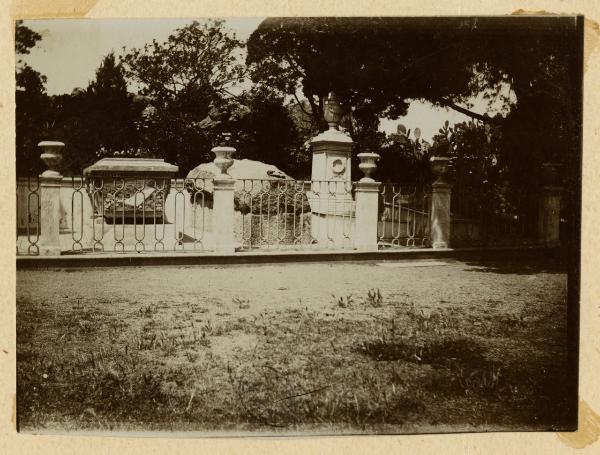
(330, 195)
(127, 186)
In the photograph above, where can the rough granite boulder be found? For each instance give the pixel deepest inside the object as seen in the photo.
(260, 188)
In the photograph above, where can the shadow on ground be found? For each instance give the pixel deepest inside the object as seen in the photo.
(520, 264)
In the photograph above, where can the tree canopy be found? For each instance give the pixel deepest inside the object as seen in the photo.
(383, 62)
(101, 119)
(185, 79)
(186, 95)
(378, 65)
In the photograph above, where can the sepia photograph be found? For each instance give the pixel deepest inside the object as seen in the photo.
(248, 226)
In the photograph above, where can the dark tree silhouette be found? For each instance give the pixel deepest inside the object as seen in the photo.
(31, 104)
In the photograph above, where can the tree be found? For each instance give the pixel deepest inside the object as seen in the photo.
(102, 119)
(404, 160)
(187, 78)
(31, 104)
(481, 177)
(383, 62)
(266, 132)
(377, 65)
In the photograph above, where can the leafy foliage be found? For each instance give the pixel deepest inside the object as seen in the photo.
(377, 65)
(99, 119)
(404, 159)
(266, 132)
(31, 103)
(25, 38)
(187, 80)
(481, 176)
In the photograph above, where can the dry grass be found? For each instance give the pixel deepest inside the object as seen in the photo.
(461, 346)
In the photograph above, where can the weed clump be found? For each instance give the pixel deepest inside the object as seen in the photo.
(343, 302)
(374, 298)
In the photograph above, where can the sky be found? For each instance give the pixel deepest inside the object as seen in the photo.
(71, 50)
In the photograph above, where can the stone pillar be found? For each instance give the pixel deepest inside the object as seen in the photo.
(549, 216)
(330, 197)
(365, 231)
(50, 181)
(223, 205)
(440, 214)
(223, 215)
(50, 215)
(367, 205)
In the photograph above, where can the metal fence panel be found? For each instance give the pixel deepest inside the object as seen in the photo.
(404, 219)
(28, 216)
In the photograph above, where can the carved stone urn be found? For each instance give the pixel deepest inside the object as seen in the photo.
(52, 155)
(368, 164)
(332, 112)
(223, 159)
(439, 167)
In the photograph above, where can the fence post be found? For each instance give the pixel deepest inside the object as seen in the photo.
(549, 206)
(223, 204)
(367, 205)
(50, 181)
(549, 216)
(441, 194)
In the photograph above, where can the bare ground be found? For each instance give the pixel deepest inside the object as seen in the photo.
(421, 346)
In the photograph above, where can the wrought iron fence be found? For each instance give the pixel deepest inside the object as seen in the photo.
(490, 219)
(28, 216)
(139, 215)
(404, 219)
(294, 214)
(153, 215)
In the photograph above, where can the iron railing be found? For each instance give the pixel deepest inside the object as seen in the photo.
(152, 215)
(138, 215)
(489, 219)
(28, 216)
(294, 214)
(404, 219)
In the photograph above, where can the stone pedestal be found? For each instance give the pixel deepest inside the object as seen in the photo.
(49, 244)
(440, 214)
(223, 215)
(549, 216)
(330, 197)
(367, 199)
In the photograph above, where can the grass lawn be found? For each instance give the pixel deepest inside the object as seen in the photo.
(421, 346)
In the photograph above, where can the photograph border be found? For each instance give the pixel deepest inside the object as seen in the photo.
(583, 287)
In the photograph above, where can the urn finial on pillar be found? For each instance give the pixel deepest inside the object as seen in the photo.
(52, 155)
(332, 111)
(367, 204)
(368, 165)
(223, 154)
(49, 198)
(439, 167)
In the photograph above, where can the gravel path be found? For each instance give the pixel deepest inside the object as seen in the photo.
(270, 287)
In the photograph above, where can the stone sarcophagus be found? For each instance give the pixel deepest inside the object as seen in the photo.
(128, 190)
